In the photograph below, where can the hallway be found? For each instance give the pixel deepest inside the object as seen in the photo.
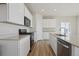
(41, 48)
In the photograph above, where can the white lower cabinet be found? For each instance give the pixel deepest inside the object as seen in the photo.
(45, 35)
(8, 48)
(75, 51)
(24, 46)
(14, 47)
(53, 43)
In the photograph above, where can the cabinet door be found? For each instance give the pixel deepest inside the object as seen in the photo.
(24, 46)
(8, 48)
(3, 12)
(75, 51)
(53, 43)
(16, 13)
(28, 14)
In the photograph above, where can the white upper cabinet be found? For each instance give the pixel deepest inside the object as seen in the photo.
(16, 12)
(28, 14)
(12, 12)
(3, 12)
(53, 43)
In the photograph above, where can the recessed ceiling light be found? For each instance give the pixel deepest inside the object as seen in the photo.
(54, 9)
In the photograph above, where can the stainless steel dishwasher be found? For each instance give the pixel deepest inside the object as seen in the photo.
(63, 48)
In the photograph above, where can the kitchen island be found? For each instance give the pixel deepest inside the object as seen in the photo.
(18, 45)
(73, 40)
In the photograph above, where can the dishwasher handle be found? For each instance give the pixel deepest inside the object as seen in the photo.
(63, 45)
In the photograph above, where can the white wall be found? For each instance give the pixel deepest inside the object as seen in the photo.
(78, 26)
(38, 27)
(71, 19)
(34, 27)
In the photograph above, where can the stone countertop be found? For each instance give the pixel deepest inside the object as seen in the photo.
(74, 40)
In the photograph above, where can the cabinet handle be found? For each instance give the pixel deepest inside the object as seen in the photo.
(63, 45)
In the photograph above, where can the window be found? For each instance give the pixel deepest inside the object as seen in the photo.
(65, 28)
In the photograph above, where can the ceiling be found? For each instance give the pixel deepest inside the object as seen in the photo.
(54, 9)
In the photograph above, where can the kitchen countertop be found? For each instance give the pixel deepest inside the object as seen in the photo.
(74, 40)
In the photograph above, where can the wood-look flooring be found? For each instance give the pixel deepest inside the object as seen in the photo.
(41, 48)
